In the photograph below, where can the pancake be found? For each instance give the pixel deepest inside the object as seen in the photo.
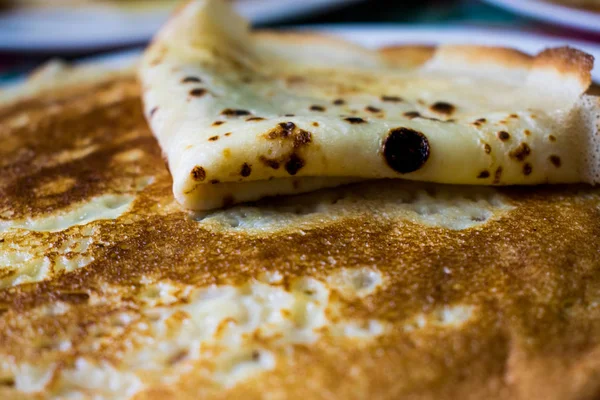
(242, 114)
(382, 290)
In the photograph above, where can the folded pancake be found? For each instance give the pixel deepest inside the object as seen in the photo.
(241, 115)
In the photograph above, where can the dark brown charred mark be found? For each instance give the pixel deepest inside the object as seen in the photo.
(487, 148)
(484, 174)
(392, 99)
(339, 102)
(294, 164)
(504, 136)
(412, 114)
(7, 381)
(521, 152)
(527, 132)
(229, 112)
(479, 122)
(295, 79)
(214, 138)
(315, 124)
(282, 130)
(255, 356)
(555, 160)
(355, 120)
(217, 123)
(228, 201)
(527, 168)
(198, 92)
(214, 181)
(191, 79)
(552, 138)
(153, 111)
(405, 150)
(178, 357)
(442, 107)
(228, 134)
(497, 175)
(315, 107)
(269, 162)
(246, 170)
(289, 115)
(198, 173)
(513, 116)
(73, 297)
(372, 109)
(255, 119)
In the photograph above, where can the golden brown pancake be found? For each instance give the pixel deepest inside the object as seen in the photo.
(379, 290)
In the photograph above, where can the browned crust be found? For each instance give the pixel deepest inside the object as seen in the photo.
(407, 56)
(567, 61)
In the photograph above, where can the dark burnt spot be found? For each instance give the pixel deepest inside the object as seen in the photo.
(521, 152)
(230, 112)
(178, 357)
(255, 119)
(497, 175)
(527, 168)
(479, 122)
(294, 164)
(555, 160)
(246, 170)
(552, 138)
(255, 356)
(316, 107)
(198, 173)
(198, 92)
(339, 102)
(487, 148)
(412, 114)
(153, 111)
(504, 136)
(214, 138)
(73, 297)
(484, 174)
(191, 79)
(315, 124)
(289, 115)
(355, 120)
(405, 150)
(294, 79)
(228, 134)
(372, 109)
(269, 162)
(442, 107)
(7, 381)
(228, 201)
(217, 123)
(527, 132)
(513, 116)
(214, 181)
(392, 99)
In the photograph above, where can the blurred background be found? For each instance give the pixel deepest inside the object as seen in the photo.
(34, 31)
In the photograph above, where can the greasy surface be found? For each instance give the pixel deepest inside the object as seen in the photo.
(528, 271)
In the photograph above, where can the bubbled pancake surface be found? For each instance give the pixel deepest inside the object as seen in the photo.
(376, 290)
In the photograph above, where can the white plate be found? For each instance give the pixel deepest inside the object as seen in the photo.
(67, 29)
(374, 36)
(553, 13)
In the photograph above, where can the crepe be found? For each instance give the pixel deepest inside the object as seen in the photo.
(241, 115)
(382, 290)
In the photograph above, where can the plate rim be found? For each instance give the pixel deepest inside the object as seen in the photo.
(552, 13)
